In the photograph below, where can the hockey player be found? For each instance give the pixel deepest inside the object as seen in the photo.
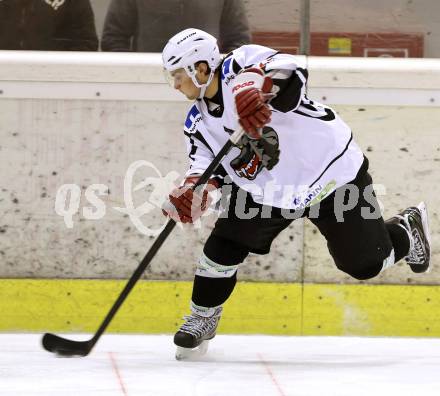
(296, 159)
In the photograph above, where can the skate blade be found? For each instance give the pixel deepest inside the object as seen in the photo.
(422, 207)
(192, 353)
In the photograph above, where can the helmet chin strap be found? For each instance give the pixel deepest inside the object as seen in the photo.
(202, 91)
(204, 86)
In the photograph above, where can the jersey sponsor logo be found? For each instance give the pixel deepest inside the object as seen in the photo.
(244, 85)
(192, 119)
(311, 197)
(55, 4)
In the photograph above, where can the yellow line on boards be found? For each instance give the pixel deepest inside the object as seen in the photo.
(254, 308)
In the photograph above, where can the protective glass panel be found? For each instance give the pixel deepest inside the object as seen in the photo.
(393, 28)
(375, 28)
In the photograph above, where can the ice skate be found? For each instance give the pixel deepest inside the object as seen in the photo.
(193, 337)
(415, 222)
(192, 353)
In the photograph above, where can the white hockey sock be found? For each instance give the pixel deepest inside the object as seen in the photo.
(389, 261)
(206, 312)
(210, 269)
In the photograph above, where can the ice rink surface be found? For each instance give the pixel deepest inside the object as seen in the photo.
(234, 366)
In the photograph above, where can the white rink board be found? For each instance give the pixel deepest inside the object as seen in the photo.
(234, 366)
(48, 143)
(84, 118)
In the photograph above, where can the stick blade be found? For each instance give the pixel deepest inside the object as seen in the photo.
(64, 347)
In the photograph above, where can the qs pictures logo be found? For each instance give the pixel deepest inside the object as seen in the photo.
(68, 197)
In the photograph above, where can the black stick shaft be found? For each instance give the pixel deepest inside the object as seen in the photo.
(155, 247)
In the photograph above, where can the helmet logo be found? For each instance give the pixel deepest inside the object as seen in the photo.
(186, 37)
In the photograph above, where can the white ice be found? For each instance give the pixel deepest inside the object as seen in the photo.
(234, 366)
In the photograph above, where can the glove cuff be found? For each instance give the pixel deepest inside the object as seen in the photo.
(191, 180)
(250, 78)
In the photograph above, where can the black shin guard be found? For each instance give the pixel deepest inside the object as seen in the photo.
(212, 292)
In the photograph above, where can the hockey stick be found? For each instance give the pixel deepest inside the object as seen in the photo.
(66, 347)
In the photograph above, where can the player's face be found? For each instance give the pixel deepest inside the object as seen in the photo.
(182, 82)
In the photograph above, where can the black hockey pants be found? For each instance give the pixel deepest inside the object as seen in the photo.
(359, 244)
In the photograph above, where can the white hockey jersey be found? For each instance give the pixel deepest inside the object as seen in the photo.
(317, 153)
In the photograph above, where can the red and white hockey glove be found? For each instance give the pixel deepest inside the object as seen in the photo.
(251, 91)
(186, 205)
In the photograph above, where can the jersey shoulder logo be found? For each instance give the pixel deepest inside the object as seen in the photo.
(192, 119)
(230, 68)
(226, 68)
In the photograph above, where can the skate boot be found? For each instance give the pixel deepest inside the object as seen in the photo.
(193, 336)
(415, 221)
